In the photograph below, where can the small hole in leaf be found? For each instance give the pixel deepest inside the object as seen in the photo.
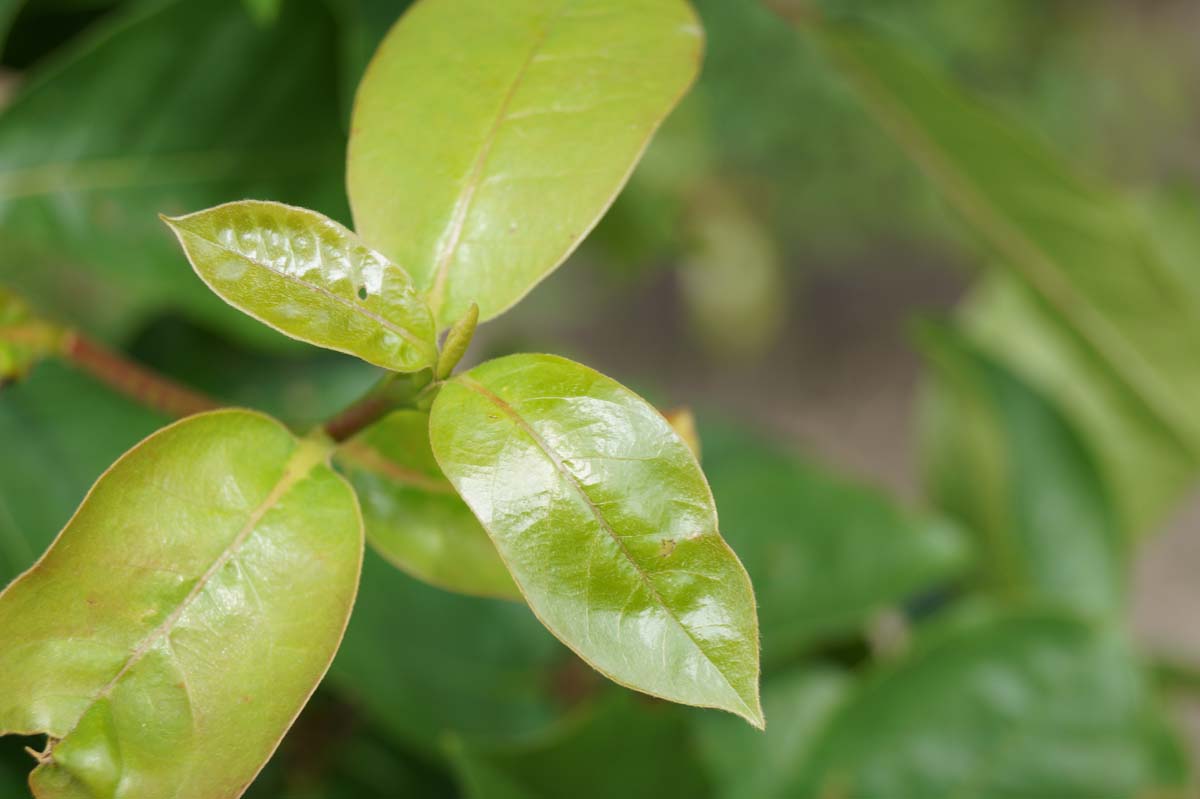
(362, 292)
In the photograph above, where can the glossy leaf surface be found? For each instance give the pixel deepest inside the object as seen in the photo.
(1027, 705)
(607, 524)
(185, 613)
(309, 277)
(1079, 249)
(1004, 461)
(78, 201)
(826, 555)
(487, 139)
(412, 514)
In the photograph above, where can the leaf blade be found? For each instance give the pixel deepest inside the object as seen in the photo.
(308, 277)
(215, 601)
(463, 204)
(512, 436)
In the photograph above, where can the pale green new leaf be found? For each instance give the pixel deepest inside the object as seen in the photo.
(310, 278)
(412, 514)
(488, 138)
(606, 522)
(172, 633)
(1029, 705)
(1080, 250)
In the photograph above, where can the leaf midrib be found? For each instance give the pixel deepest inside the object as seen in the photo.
(466, 198)
(298, 466)
(570, 477)
(367, 457)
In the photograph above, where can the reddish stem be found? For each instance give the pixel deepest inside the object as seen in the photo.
(149, 388)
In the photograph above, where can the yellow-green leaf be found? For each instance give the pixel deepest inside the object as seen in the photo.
(488, 138)
(172, 633)
(412, 514)
(607, 524)
(310, 278)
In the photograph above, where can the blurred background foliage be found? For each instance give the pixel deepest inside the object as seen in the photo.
(946, 522)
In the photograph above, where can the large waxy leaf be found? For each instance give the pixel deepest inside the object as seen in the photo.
(1025, 705)
(476, 667)
(184, 615)
(78, 201)
(607, 524)
(488, 138)
(748, 764)
(412, 514)
(309, 277)
(825, 555)
(1003, 460)
(620, 748)
(1081, 252)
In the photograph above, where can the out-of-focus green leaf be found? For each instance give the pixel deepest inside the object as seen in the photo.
(53, 452)
(622, 748)
(748, 764)
(1019, 705)
(1076, 246)
(487, 139)
(8, 12)
(607, 525)
(825, 555)
(24, 339)
(310, 278)
(152, 132)
(1143, 464)
(412, 514)
(210, 572)
(265, 12)
(422, 662)
(1002, 460)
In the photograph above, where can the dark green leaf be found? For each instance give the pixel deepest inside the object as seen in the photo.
(1024, 705)
(825, 554)
(607, 524)
(1003, 460)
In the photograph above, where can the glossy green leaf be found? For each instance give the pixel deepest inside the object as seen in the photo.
(487, 139)
(826, 555)
(1025, 705)
(184, 614)
(1078, 248)
(748, 764)
(620, 748)
(80, 184)
(24, 339)
(412, 514)
(309, 277)
(1001, 459)
(607, 524)
(479, 668)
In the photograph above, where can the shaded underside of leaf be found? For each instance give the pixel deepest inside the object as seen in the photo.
(184, 614)
(413, 516)
(605, 521)
(310, 278)
(487, 139)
